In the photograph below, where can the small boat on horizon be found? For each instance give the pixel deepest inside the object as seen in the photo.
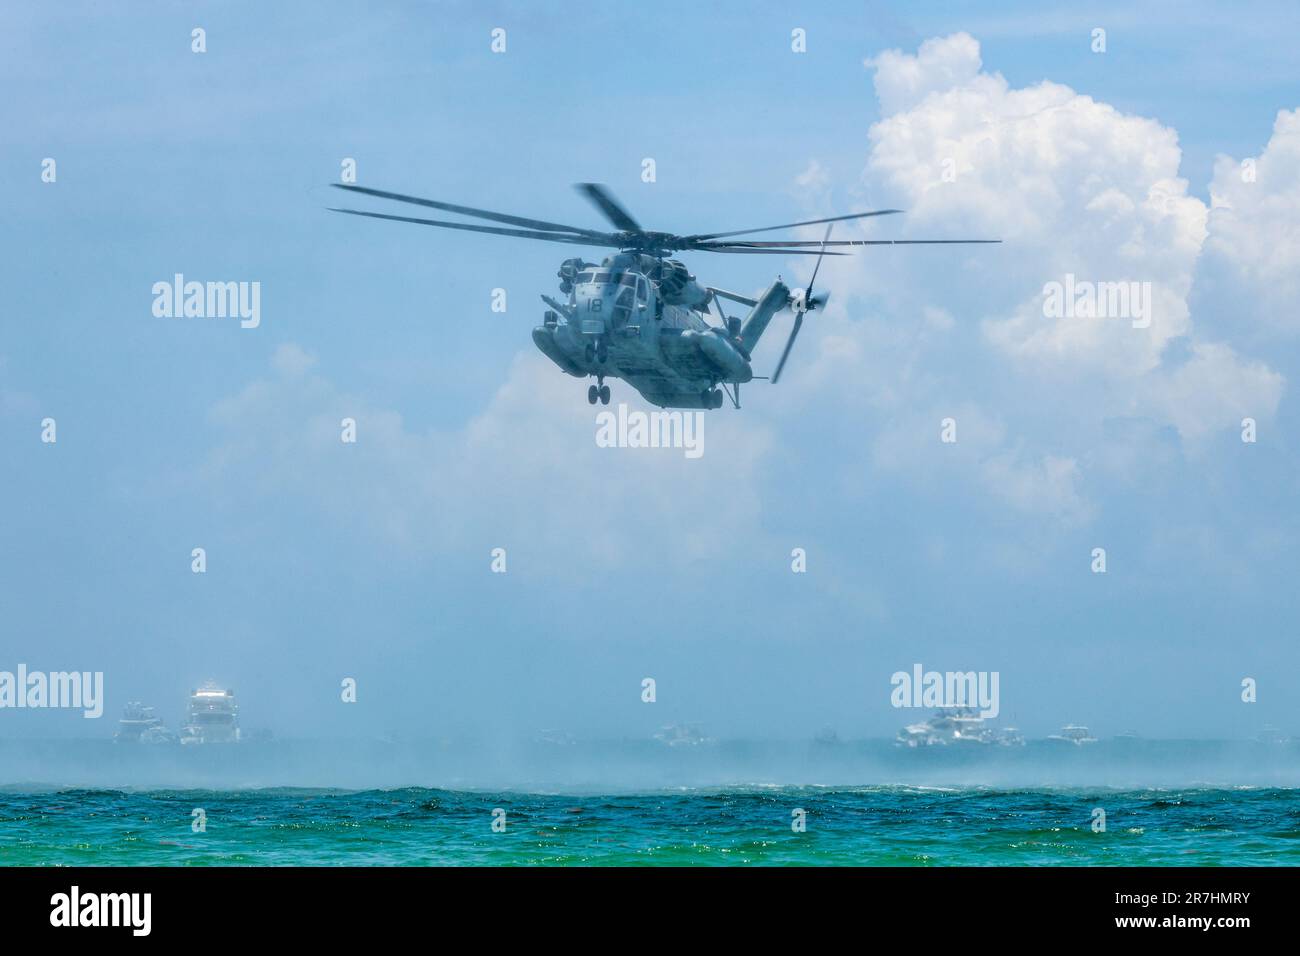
(1076, 734)
(139, 725)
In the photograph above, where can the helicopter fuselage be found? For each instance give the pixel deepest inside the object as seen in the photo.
(620, 323)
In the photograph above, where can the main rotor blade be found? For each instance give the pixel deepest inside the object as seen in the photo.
(539, 224)
(789, 344)
(727, 247)
(915, 242)
(491, 230)
(791, 225)
(744, 243)
(604, 200)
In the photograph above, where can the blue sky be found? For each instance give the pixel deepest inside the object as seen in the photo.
(371, 560)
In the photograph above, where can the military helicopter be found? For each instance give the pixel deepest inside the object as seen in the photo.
(640, 316)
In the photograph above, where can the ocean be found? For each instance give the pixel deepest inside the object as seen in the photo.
(732, 826)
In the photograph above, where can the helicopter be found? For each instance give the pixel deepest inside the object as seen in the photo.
(639, 315)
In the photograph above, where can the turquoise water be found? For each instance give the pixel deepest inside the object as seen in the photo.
(886, 826)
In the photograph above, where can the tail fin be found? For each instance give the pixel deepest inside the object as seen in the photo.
(769, 304)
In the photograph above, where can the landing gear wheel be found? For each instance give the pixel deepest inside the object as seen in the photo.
(604, 394)
(601, 353)
(593, 393)
(717, 398)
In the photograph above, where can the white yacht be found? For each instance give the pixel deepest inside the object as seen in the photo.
(957, 725)
(1074, 734)
(139, 725)
(213, 716)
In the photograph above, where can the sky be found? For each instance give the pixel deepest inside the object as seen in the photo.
(371, 560)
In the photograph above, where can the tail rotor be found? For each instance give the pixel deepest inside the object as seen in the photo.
(802, 301)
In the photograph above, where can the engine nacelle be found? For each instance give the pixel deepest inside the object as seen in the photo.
(678, 286)
(569, 270)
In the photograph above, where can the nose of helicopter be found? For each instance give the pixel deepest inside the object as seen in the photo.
(595, 304)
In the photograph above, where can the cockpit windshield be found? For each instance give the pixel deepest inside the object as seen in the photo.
(610, 278)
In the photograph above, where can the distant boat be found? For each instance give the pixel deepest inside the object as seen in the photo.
(139, 725)
(1074, 734)
(213, 716)
(555, 738)
(1272, 736)
(960, 726)
(682, 735)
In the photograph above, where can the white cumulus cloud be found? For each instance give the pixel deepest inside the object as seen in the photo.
(1251, 264)
(1078, 191)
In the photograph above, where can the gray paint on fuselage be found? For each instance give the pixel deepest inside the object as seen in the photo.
(648, 353)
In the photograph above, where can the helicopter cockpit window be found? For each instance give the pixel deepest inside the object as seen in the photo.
(584, 277)
(627, 278)
(623, 307)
